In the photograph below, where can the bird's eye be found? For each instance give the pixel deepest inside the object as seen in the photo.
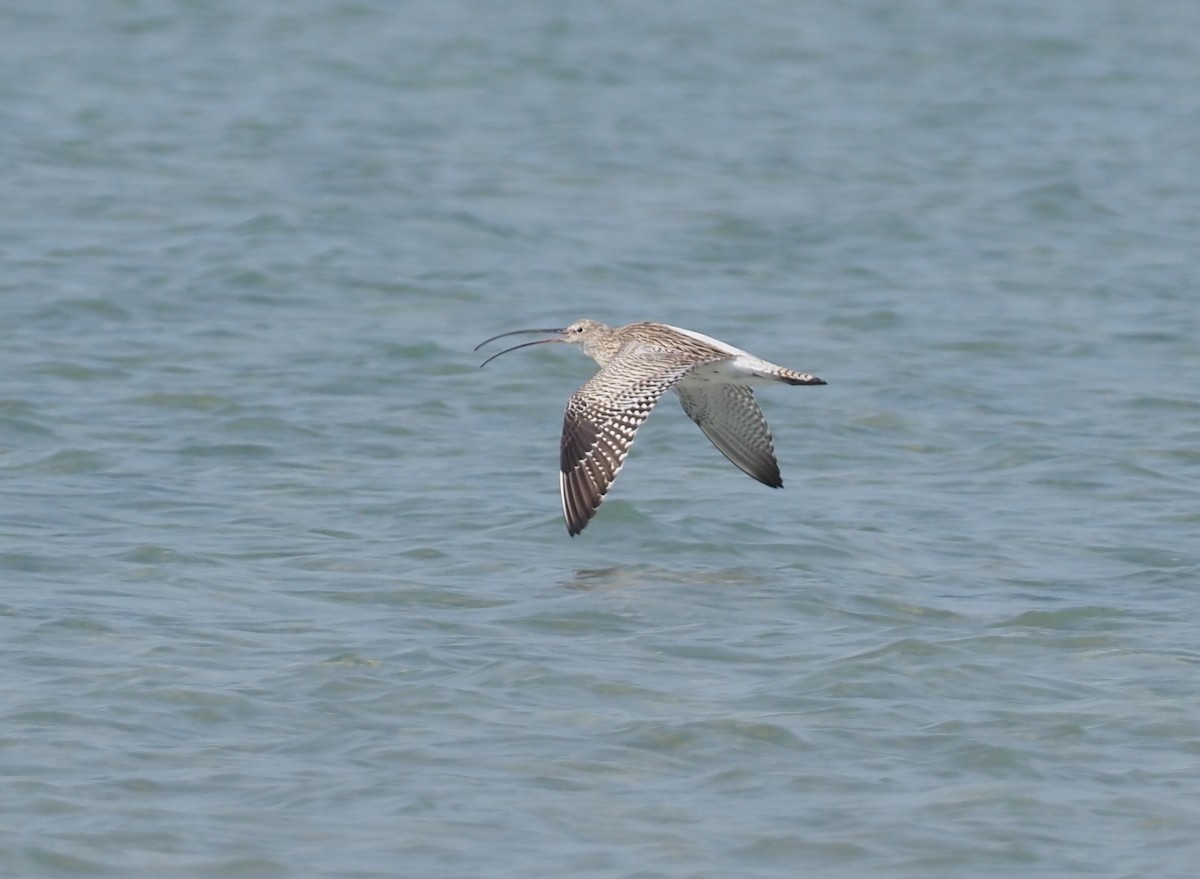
(579, 329)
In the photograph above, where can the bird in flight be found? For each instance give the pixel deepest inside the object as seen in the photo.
(639, 362)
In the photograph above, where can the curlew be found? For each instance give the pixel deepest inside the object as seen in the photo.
(639, 362)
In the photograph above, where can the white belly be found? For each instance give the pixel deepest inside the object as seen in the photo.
(744, 369)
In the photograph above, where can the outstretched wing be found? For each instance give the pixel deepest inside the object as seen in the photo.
(730, 417)
(600, 422)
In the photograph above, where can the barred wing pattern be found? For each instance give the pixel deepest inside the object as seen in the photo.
(600, 422)
(730, 417)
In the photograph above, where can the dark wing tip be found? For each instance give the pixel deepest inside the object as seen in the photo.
(580, 501)
(772, 480)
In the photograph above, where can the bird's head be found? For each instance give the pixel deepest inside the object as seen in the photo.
(583, 332)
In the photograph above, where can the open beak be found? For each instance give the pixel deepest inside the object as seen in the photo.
(557, 338)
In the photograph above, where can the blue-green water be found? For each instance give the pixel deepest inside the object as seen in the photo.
(285, 587)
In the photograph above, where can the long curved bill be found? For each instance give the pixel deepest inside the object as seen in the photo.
(557, 338)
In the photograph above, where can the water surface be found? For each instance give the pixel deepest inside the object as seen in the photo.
(286, 586)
